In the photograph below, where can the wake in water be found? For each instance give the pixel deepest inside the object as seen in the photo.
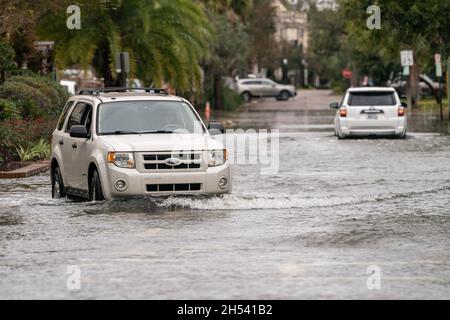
(281, 201)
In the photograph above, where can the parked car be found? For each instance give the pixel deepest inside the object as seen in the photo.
(122, 143)
(426, 86)
(71, 86)
(370, 111)
(262, 87)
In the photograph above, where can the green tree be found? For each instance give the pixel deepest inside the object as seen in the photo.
(166, 39)
(421, 26)
(327, 53)
(229, 55)
(264, 50)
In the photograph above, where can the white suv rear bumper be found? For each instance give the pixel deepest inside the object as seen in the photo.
(382, 128)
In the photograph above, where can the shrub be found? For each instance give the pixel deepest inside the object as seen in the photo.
(23, 133)
(34, 96)
(7, 55)
(8, 110)
(40, 151)
(231, 100)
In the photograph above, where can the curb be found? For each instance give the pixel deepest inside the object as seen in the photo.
(28, 171)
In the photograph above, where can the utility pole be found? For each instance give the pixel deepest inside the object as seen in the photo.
(407, 59)
(440, 93)
(448, 90)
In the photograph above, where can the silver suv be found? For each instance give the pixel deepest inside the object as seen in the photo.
(121, 143)
(263, 87)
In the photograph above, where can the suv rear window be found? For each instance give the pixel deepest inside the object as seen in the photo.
(363, 99)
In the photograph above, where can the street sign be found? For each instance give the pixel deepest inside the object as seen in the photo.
(438, 62)
(437, 58)
(406, 70)
(347, 74)
(439, 70)
(407, 58)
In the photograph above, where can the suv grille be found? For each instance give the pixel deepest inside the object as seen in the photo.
(174, 187)
(159, 161)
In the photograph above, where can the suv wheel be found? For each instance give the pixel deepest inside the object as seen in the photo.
(284, 95)
(95, 190)
(58, 190)
(246, 96)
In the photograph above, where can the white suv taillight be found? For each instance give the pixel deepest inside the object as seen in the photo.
(343, 112)
(401, 111)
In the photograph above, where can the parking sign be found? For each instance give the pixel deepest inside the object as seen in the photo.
(407, 58)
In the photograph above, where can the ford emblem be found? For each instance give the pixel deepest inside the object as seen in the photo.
(172, 162)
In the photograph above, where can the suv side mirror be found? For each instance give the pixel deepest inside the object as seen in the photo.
(215, 128)
(335, 105)
(404, 105)
(79, 132)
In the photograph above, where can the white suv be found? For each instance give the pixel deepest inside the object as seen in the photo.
(122, 143)
(370, 111)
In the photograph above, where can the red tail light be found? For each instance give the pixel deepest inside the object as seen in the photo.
(343, 112)
(401, 111)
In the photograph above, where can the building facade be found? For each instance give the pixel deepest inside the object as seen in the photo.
(291, 24)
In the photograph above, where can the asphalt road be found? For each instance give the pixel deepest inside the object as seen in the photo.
(340, 219)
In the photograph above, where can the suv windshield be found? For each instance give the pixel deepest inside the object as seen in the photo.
(133, 117)
(371, 99)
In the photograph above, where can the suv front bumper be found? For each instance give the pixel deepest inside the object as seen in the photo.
(137, 183)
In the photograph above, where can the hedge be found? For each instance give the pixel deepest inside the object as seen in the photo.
(32, 97)
(29, 109)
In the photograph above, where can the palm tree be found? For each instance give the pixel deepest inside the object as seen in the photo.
(166, 39)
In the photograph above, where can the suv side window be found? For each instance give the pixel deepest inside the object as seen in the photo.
(81, 115)
(63, 116)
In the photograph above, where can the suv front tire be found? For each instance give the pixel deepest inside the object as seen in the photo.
(58, 190)
(95, 187)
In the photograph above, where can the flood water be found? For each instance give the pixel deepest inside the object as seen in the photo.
(312, 230)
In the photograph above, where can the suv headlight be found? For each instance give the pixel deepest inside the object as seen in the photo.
(217, 157)
(122, 159)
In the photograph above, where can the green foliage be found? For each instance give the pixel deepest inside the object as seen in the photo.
(8, 110)
(32, 97)
(39, 151)
(24, 133)
(264, 50)
(6, 57)
(327, 54)
(25, 154)
(166, 39)
(230, 52)
(406, 24)
(342, 40)
(231, 100)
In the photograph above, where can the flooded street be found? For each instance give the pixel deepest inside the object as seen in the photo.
(334, 210)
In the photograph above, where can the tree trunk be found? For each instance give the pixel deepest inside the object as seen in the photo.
(218, 103)
(107, 74)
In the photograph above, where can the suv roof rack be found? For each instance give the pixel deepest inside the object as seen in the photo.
(99, 91)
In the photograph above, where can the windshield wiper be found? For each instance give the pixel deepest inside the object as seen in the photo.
(155, 131)
(118, 132)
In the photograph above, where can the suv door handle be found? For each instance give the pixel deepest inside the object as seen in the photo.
(74, 145)
(61, 142)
